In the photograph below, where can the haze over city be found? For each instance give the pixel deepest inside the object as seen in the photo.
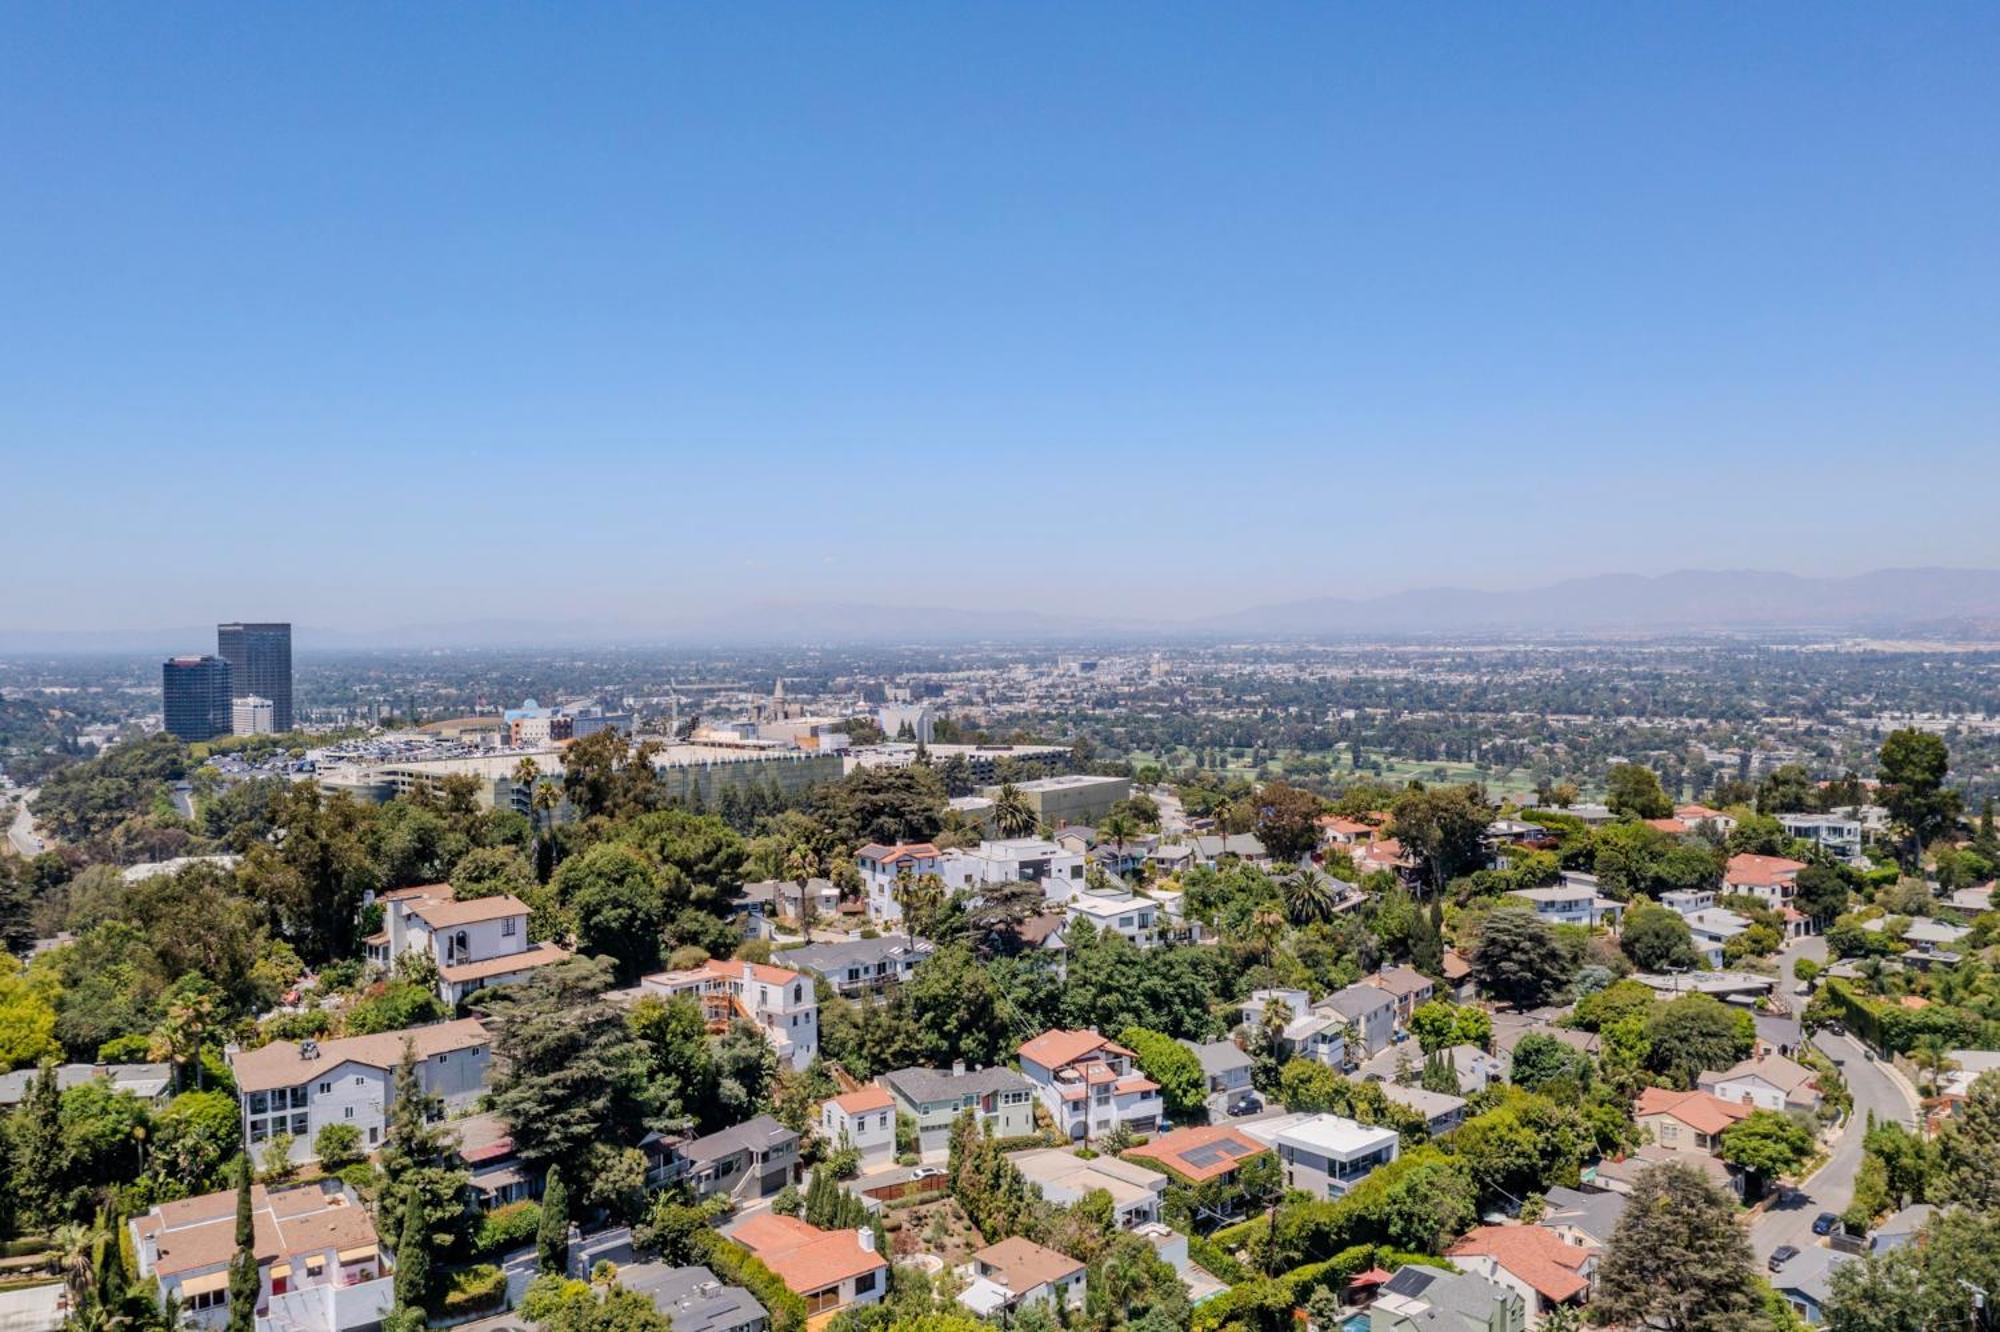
(666, 310)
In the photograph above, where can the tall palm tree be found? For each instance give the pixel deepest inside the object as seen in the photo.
(547, 798)
(1118, 828)
(1309, 895)
(76, 1247)
(1013, 816)
(802, 865)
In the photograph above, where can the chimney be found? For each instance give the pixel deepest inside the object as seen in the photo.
(867, 1237)
(958, 1068)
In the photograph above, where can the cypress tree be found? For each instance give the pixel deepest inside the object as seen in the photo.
(413, 1261)
(38, 1157)
(244, 1282)
(552, 1240)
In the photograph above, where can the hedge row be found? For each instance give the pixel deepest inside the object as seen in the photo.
(737, 1266)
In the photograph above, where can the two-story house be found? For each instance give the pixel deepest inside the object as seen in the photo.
(475, 944)
(747, 1161)
(1422, 1298)
(864, 1120)
(1325, 1155)
(320, 1267)
(1772, 878)
(862, 968)
(1370, 1014)
(1689, 1121)
(1000, 1099)
(1410, 988)
(1765, 1082)
(881, 867)
(1572, 904)
(301, 1087)
(779, 1002)
(1090, 1084)
(1137, 918)
(1531, 1261)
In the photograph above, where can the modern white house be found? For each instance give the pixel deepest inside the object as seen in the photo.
(1136, 918)
(864, 1120)
(1837, 834)
(1090, 1084)
(779, 1002)
(320, 1266)
(1324, 1155)
(301, 1087)
(1015, 860)
(1572, 904)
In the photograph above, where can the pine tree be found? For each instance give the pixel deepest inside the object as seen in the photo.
(244, 1282)
(1679, 1224)
(38, 1156)
(552, 1240)
(413, 1261)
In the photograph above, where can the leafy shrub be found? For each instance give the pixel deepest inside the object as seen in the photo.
(475, 1289)
(507, 1228)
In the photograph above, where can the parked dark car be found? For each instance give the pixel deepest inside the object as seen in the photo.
(1245, 1105)
(1781, 1255)
(1825, 1223)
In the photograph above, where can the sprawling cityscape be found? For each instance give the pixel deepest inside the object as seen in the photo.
(1030, 668)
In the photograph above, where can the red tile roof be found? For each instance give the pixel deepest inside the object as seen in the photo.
(1054, 1049)
(1760, 871)
(1174, 1149)
(1534, 1255)
(805, 1257)
(1697, 1109)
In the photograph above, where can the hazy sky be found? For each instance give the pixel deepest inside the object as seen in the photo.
(361, 315)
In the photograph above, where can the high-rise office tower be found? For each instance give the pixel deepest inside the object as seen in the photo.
(260, 665)
(196, 690)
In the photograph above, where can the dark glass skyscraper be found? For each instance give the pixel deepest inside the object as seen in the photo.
(260, 665)
(197, 696)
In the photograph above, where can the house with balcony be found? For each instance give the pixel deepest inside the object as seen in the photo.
(320, 1267)
(1090, 1084)
(1836, 834)
(1324, 1155)
(830, 1270)
(862, 968)
(747, 1161)
(1370, 1014)
(1001, 1100)
(865, 1120)
(1772, 878)
(779, 1002)
(1410, 988)
(1059, 870)
(882, 866)
(301, 1087)
(1572, 904)
(474, 944)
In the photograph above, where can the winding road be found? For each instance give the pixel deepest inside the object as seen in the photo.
(1831, 1188)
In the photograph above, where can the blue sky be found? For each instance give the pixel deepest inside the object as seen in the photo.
(362, 315)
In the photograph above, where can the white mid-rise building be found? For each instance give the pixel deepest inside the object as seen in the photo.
(250, 715)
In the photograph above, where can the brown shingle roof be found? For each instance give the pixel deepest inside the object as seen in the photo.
(540, 955)
(447, 914)
(1697, 1109)
(280, 1064)
(199, 1233)
(1021, 1264)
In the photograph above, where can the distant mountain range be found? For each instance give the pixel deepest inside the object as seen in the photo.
(1963, 602)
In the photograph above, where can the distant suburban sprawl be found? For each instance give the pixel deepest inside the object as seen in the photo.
(1403, 986)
